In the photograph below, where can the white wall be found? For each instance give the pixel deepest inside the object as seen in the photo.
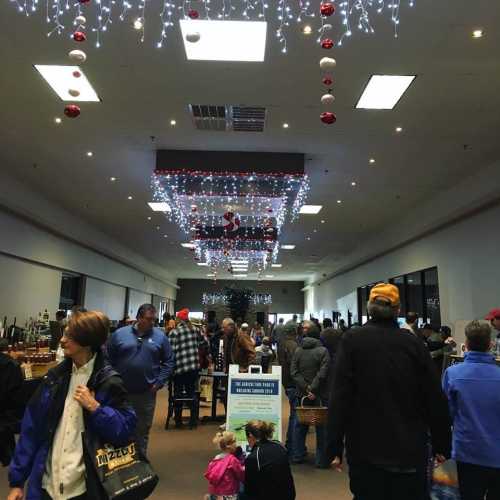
(105, 297)
(466, 255)
(26, 289)
(136, 299)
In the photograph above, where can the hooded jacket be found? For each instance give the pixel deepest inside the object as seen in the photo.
(286, 349)
(310, 365)
(113, 422)
(268, 473)
(224, 475)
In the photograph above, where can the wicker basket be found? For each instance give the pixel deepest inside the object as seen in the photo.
(312, 415)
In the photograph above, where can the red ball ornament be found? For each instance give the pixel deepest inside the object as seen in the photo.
(328, 81)
(84, 1)
(270, 210)
(77, 74)
(193, 14)
(328, 117)
(327, 9)
(79, 36)
(327, 43)
(72, 110)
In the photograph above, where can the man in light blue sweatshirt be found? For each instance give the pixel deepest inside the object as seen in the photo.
(142, 355)
(473, 390)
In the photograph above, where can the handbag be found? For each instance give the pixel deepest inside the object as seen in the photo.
(123, 472)
(445, 482)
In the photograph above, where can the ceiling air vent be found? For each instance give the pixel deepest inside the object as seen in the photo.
(228, 118)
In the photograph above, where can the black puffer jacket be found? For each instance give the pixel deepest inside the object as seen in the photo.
(310, 369)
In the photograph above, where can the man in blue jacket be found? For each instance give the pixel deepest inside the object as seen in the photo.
(473, 390)
(142, 355)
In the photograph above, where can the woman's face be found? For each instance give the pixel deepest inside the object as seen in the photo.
(251, 440)
(70, 347)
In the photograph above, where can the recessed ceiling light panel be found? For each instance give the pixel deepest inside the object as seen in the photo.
(384, 91)
(159, 206)
(287, 247)
(188, 245)
(310, 209)
(62, 80)
(277, 265)
(225, 40)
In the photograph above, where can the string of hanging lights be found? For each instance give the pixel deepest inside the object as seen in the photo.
(77, 18)
(231, 217)
(223, 299)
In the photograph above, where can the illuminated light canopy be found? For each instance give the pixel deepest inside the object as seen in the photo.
(234, 219)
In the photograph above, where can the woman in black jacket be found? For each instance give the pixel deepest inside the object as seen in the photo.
(267, 470)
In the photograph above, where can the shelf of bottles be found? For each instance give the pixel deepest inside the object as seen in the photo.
(29, 345)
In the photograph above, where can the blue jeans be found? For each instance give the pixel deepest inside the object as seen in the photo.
(299, 444)
(292, 399)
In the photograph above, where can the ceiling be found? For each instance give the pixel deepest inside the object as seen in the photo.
(450, 117)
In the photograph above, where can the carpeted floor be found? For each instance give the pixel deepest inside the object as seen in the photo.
(180, 458)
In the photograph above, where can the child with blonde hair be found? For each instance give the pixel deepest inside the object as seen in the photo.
(226, 471)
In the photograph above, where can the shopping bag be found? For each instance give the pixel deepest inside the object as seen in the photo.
(124, 473)
(445, 482)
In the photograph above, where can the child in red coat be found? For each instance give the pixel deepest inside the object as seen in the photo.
(226, 471)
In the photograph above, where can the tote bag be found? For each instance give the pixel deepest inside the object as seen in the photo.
(124, 473)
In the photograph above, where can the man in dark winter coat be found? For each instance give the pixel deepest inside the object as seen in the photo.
(83, 394)
(11, 382)
(386, 404)
(286, 349)
(310, 372)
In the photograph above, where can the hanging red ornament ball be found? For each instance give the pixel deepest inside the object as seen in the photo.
(270, 210)
(328, 81)
(79, 36)
(328, 117)
(327, 43)
(72, 110)
(77, 74)
(193, 14)
(83, 1)
(327, 9)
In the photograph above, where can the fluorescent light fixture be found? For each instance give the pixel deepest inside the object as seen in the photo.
(188, 245)
(224, 40)
(173, 123)
(240, 275)
(129, 198)
(310, 209)
(277, 265)
(339, 201)
(269, 276)
(112, 179)
(285, 125)
(287, 247)
(160, 206)
(239, 262)
(384, 91)
(211, 275)
(399, 130)
(202, 263)
(57, 120)
(62, 80)
(477, 33)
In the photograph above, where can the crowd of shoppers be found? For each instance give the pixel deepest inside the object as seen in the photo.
(388, 412)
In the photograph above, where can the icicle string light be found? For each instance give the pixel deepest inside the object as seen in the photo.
(59, 14)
